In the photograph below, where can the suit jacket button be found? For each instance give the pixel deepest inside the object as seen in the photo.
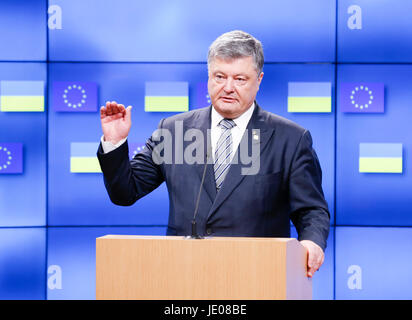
(209, 231)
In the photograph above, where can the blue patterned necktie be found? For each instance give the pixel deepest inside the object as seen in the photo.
(223, 151)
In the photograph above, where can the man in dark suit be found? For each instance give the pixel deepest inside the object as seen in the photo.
(244, 195)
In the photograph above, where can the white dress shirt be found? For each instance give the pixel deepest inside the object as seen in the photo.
(237, 131)
(108, 146)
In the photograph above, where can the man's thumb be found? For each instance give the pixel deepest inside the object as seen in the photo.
(129, 113)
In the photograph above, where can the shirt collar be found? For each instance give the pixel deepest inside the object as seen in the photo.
(241, 121)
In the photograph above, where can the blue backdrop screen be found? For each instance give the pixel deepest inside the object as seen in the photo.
(373, 263)
(374, 198)
(51, 212)
(71, 259)
(23, 196)
(374, 31)
(23, 30)
(22, 263)
(182, 31)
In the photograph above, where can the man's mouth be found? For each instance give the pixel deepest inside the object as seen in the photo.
(228, 99)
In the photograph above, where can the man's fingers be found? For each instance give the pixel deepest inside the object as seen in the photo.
(102, 112)
(108, 108)
(115, 111)
(315, 256)
(315, 260)
(312, 267)
(128, 112)
(121, 109)
(311, 264)
(115, 108)
(112, 108)
(314, 263)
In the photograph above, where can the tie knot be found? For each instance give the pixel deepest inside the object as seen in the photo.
(227, 123)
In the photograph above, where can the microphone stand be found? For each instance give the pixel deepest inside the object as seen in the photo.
(195, 235)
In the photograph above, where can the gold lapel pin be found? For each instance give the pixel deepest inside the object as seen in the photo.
(255, 135)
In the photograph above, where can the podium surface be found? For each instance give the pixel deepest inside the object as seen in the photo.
(215, 268)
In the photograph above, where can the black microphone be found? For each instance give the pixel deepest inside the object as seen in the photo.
(195, 235)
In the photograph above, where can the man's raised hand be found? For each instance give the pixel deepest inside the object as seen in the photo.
(116, 121)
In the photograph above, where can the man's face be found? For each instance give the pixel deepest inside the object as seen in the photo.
(233, 85)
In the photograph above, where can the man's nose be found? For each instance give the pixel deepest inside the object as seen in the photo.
(229, 85)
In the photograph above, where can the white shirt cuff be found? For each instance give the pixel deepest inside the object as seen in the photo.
(108, 146)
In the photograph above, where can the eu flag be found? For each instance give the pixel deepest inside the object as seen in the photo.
(135, 148)
(11, 158)
(202, 96)
(74, 96)
(362, 97)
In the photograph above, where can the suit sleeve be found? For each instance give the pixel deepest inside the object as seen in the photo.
(126, 180)
(309, 210)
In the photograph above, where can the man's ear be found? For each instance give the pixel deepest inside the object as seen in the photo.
(260, 79)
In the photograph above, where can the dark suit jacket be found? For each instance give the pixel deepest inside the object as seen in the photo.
(288, 185)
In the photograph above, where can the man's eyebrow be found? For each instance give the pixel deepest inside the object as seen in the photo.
(235, 75)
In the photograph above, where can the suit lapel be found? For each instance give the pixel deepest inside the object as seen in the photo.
(235, 175)
(202, 122)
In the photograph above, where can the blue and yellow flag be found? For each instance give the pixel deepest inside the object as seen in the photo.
(22, 96)
(83, 157)
(171, 96)
(309, 97)
(380, 157)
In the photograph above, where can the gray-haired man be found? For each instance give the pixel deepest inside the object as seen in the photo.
(287, 185)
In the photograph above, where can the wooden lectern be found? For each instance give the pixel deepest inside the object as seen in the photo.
(216, 268)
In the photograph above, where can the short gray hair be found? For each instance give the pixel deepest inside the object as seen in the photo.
(237, 44)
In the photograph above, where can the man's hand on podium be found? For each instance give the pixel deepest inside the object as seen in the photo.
(116, 121)
(315, 256)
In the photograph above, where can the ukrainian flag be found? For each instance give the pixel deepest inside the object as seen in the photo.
(83, 157)
(172, 96)
(380, 157)
(22, 96)
(309, 97)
